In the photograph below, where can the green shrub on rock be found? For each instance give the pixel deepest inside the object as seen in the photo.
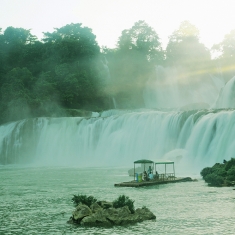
(122, 201)
(214, 180)
(230, 164)
(87, 200)
(220, 174)
(206, 171)
(231, 174)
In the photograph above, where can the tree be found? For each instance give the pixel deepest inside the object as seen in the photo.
(73, 55)
(32, 57)
(64, 70)
(18, 35)
(226, 52)
(220, 174)
(73, 41)
(184, 52)
(184, 48)
(15, 40)
(142, 38)
(132, 63)
(2, 57)
(15, 94)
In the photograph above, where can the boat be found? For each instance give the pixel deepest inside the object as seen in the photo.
(153, 178)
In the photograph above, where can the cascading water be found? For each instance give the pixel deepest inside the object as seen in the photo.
(108, 77)
(193, 138)
(226, 98)
(118, 138)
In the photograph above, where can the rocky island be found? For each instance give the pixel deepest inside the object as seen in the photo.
(90, 212)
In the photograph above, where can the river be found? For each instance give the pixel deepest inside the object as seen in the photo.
(37, 200)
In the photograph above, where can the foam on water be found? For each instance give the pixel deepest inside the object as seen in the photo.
(204, 136)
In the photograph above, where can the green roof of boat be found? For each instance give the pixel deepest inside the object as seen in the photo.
(144, 161)
(164, 162)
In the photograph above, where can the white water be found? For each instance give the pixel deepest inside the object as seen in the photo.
(117, 138)
(226, 98)
(38, 200)
(193, 139)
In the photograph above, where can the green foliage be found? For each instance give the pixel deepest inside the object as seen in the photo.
(220, 174)
(185, 52)
(122, 201)
(214, 179)
(63, 71)
(87, 200)
(184, 46)
(206, 171)
(132, 63)
(230, 164)
(225, 52)
(18, 35)
(142, 38)
(231, 174)
(66, 69)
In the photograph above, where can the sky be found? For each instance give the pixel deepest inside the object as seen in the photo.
(107, 18)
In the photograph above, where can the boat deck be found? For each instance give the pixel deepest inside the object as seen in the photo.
(152, 182)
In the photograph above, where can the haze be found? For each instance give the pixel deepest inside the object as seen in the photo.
(107, 18)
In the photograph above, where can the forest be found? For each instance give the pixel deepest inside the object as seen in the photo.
(67, 70)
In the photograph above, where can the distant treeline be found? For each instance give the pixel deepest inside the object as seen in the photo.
(68, 70)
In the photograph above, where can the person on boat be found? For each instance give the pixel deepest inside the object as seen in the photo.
(156, 175)
(145, 176)
(149, 170)
(151, 176)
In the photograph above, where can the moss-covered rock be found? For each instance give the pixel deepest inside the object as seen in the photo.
(116, 213)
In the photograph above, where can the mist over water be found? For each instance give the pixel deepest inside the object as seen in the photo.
(44, 161)
(170, 88)
(189, 123)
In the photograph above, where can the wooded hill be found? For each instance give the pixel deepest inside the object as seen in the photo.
(68, 70)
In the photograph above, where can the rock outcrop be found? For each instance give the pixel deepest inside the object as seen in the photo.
(106, 215)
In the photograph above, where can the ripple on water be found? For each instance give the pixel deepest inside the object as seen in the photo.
(39, 201)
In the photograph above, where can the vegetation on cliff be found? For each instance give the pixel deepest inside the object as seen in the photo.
(67, 69)
(221, 174)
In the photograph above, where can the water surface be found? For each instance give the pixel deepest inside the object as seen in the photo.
(38, 201)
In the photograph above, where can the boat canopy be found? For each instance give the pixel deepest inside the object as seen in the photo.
(144, 161)
(164, 162)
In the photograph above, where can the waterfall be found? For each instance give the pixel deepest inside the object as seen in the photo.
(173, 126)
(226, 98)
(108, 78)
(117, 138)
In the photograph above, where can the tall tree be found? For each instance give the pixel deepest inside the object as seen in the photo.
(226, 52)
(142, 38)
(131, 64)
(18, 35)
(73, 54)
(15, 94)
(185, 50)
(15, 40)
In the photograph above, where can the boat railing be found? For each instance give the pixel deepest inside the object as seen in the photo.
(168, 176)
